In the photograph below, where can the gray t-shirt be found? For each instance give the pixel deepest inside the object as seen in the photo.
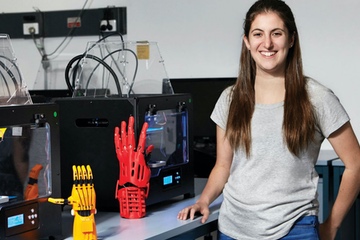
(266, 193)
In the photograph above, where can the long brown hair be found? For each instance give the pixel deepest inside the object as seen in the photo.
(299, 120)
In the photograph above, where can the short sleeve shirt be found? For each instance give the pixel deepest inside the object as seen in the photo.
(269, 190)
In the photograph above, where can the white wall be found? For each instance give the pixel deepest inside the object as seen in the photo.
(202, 38)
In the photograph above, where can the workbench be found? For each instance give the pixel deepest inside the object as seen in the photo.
(160, 221)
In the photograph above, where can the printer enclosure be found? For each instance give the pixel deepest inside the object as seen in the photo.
(36, 127)
(87, 137)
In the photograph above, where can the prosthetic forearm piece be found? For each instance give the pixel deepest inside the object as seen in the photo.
(32, 188)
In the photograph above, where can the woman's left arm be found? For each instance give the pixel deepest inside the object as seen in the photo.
(347, 148)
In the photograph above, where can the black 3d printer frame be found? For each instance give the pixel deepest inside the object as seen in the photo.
(49, 215)
(94, 144)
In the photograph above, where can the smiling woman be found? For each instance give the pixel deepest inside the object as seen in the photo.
(270, 127)
(268, 43)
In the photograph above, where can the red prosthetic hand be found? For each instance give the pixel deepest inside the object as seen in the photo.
(133, 185)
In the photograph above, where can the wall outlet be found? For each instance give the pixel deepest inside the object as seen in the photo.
(108, 25)
(31, 28)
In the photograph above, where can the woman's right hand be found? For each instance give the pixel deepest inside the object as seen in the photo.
(191, 211)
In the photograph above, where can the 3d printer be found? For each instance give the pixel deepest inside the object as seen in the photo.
(126, 78)
(87, 128)
(29, 157)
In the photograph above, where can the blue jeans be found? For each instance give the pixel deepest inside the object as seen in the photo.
(305, 228)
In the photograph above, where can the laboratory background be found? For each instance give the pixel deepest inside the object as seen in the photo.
(202, 39)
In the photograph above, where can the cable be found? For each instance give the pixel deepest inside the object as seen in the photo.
(107, 49)
(100, 61)
(6, 83)
(91, 47)
(71, 30)
(103, 38)
(111, 34)
(41, 48)
(10, 73)
(110, 54)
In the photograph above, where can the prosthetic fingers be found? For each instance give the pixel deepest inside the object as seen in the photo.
(133, 185)
(83, 201)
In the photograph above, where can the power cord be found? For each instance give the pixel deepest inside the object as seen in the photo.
(71, 32)
(6, 84)
(110, 54)
(101, 61)
(10, 73)
(71, 86)
(40, 46)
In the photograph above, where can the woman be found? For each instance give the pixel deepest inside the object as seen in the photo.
(270, 126)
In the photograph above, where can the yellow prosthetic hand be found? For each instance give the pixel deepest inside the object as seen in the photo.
(2, 132)
(83, 201)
